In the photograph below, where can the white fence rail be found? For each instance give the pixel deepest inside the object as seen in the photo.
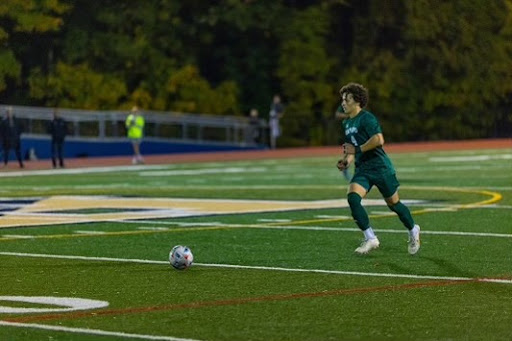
(105, 125)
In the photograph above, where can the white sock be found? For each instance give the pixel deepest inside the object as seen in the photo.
(414, 231)
(369, 234)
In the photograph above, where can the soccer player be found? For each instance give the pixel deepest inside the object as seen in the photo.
(363, 145)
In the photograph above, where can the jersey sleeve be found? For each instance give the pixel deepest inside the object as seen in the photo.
(372, 125)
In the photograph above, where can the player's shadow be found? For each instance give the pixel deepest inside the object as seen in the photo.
(444, 268)
(450, 269)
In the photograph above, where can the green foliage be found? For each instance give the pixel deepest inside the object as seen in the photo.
(304, 67)
(33, 15)
(187, 91)
(462, 60)
(77, 86)
(435, 69)
(24, 16)
(9, 67)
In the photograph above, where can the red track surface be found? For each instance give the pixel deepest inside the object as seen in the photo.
(263, 154)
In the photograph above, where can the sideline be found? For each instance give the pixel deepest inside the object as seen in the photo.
(186, 227)
(90, 331)
(249, 267)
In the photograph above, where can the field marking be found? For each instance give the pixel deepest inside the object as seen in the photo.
(264, 220)
(470, 158)
(186, 227)
(110, 234)
(17, 236)
(52, 210)
(90, 331)
(494, 198)
(84, 170)
(235, 301)
(202, 171)
(252, 267)
(90, 232)
(62, 304)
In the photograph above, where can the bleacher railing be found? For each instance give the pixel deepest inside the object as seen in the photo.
(107, 125)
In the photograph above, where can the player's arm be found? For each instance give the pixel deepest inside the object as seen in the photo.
(345, 161)
(373, 142)
(339, 114)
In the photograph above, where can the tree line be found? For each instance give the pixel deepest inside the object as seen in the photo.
(435, 69)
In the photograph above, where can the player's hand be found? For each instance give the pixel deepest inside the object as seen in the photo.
(342, 165)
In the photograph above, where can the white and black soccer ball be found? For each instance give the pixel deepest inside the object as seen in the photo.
(181, 257)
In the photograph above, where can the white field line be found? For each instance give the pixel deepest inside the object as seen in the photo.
(326, 216)
(84, 170)
(448, 168)
(321, 228)
(90, 331)
(248, 267)
(229, 170)
(508, 207)
(471, 158)
(152, 228)
(275, 220)
(89, 232)
(17, 236)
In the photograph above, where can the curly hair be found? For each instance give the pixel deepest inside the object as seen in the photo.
(359, 93)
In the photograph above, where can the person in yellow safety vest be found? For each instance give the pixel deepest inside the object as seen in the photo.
(135, 130)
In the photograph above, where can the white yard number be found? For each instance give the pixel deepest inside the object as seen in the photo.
(61, 304)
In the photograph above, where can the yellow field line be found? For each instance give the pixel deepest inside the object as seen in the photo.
(116, 233)
(495, 197)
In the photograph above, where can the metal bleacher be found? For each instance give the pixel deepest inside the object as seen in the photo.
(199, 128)
(86, 126)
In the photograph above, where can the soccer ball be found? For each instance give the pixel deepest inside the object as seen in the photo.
(181, 257)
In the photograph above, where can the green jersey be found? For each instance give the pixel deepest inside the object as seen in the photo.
(360, 129)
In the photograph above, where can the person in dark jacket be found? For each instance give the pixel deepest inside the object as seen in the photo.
(11, 129)
(58, 130)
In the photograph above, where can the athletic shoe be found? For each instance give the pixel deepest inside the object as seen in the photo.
(367, 246)
(414, 241)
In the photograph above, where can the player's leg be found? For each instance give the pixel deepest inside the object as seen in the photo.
(401, 210)
(388, 187)
(356, 192)
(135, 147)
(17, 151)
(7, 148)
(54, 148)
(140, 159)
(60, 151)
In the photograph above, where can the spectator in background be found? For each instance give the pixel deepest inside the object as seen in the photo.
(58, 130)
(11, 129)
(135, 131)
(275, 114)
(254, 126)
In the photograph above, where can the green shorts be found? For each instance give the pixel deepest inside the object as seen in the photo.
(387, 183)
